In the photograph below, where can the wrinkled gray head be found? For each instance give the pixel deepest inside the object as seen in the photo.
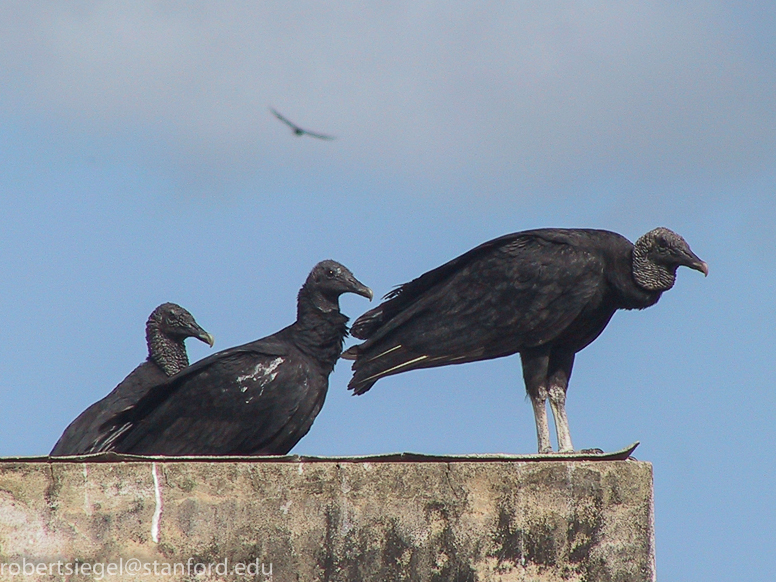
(656, 257)
(166, 328)
(330, 279)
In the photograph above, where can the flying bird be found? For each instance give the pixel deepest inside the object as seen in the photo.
(298, 130)
(166, 329)
(545, 294)
(259, 398)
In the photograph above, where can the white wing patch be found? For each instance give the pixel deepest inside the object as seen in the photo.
(261, 373)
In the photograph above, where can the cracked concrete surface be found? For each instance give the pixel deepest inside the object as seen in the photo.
(339, 521)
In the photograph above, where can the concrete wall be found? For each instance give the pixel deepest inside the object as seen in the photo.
(329, 521)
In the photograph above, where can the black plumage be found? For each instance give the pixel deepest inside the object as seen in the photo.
(543, 293)
(256, 399)
(166, 329)
(298, 131)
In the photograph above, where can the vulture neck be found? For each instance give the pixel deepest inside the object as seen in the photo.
(647, 273)
(167, 353)
(320, 328)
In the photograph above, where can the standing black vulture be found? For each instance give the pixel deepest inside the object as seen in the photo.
(166, 329)
(543, 293)
(256, 399)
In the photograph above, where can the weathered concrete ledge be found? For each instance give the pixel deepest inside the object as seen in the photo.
(331, 520)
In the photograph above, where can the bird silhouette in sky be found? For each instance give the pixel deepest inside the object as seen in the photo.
(298, 130)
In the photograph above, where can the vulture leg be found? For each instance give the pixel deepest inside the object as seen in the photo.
(560, 372)
(535, 376)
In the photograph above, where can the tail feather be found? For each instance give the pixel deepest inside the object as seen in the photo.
(369, 366)
(350, 354)
(360, 387)
(367, 324)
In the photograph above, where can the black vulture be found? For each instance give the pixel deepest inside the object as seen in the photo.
(545, 294)
(298, 130)
(259, 398)
(166, 329)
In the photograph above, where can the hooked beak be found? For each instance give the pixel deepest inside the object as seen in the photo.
(203, 336)
(359, 288)
(694, 262)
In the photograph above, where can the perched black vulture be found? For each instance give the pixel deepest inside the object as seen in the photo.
(256, 399)
(298, 130)
(543, 293)
(166, 329)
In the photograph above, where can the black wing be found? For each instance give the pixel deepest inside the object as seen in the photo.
(298, 130)
(319, 135)
(406, 294)
(260, 399)
(518, 291)
(288, 122)
(81, 434)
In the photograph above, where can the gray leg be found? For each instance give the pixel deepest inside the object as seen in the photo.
(558, 404)
(535, 376)
(558, 383)
(542, 426)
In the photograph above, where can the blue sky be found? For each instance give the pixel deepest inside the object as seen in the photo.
(139, 164)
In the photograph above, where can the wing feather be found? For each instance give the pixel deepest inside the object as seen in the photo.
(184, 395)
(509, 294)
